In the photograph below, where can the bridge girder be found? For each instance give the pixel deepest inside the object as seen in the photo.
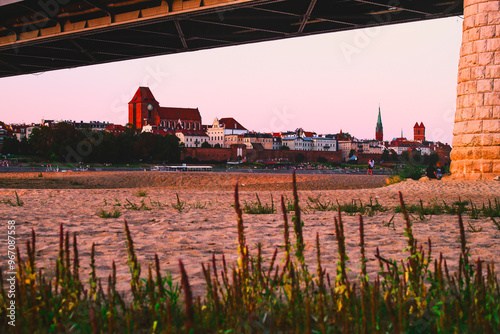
(44, 35)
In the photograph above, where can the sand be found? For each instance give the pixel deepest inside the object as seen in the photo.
(208, 226)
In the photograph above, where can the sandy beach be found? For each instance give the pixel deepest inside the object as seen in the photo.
(207, 225)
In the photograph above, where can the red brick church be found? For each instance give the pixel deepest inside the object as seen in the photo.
(143, 109)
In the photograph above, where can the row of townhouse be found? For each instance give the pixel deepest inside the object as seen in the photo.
(400, 145)
(315, 143)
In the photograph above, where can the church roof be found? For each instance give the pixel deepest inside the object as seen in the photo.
(179, 113)
(231, 123)
(143, 94)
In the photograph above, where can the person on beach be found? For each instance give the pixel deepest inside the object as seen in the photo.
(371, 164)
(431, 172)
(439, 171)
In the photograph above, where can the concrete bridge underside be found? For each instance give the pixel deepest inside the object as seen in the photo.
(44, 35)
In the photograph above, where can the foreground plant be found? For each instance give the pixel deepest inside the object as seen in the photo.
(18, 202)
(255, 295)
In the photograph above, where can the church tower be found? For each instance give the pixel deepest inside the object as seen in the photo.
(419, 132)
(142, 109)
(379, 130)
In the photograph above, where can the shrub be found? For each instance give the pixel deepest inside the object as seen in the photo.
(109, 214)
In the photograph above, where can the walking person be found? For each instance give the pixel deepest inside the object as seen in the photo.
(371, 164)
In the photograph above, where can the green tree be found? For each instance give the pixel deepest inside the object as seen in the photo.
(206, 144)
(10, 146)
(386, 156)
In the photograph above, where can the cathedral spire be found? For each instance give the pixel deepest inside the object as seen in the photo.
(379, 130)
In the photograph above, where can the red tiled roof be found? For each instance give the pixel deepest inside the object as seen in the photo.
(143, 94)
(231, 123)
(179, 113)
(115, 127)
(192, 132)
(163, 132)
(308, 134)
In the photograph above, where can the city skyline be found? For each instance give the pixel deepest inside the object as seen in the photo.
(323, 83)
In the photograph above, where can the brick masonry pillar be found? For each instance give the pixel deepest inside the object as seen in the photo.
(476, 135)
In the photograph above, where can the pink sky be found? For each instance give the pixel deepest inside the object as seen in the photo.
(322, 83)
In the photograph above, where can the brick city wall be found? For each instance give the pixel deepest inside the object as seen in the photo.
(220, 154)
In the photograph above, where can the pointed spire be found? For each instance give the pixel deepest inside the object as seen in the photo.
(379, 121)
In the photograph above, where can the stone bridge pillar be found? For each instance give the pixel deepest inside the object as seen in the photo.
(476, 135)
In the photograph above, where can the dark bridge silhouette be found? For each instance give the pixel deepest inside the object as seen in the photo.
(44, 35)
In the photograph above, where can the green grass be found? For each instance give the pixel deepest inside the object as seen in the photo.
(281, 294)
(316, 204)
(109, 214)
(141, 193)
(257, 208)
(180, 205)
(17, 202)
(136, 207)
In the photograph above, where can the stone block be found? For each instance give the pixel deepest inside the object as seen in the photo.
(474, 126)
(476, 100)
(493, 18)
(477, 72)
(474, 153)
(496, 167)
(491, 126)
(487, 32)
(493, 44)
(483, 166)
(496, 112)
(484, 85)
(497, 57)
(490, 139)
(491, 99)
(472, 2)
(479, 46)
(490, 6)
(485, 112)
(470, 87)
(457, 154)
(459, 128)
(492, 72)
(464, 74)
(491, 152)
(469, 113)
(480, 19)
(469, 22)
(496, 85)
(466, 49)
(486, 58)
(470, 10)
(472, 34)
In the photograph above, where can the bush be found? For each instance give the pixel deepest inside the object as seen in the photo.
(411, 172)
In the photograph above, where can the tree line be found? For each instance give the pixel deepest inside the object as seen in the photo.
(65, 143)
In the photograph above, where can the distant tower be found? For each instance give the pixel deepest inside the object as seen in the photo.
(419, 132)
(379, 130)
(142, 109)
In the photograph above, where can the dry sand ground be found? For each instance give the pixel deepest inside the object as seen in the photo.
(208, 225)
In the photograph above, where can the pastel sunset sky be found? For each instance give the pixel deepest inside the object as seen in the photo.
(322, 83)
